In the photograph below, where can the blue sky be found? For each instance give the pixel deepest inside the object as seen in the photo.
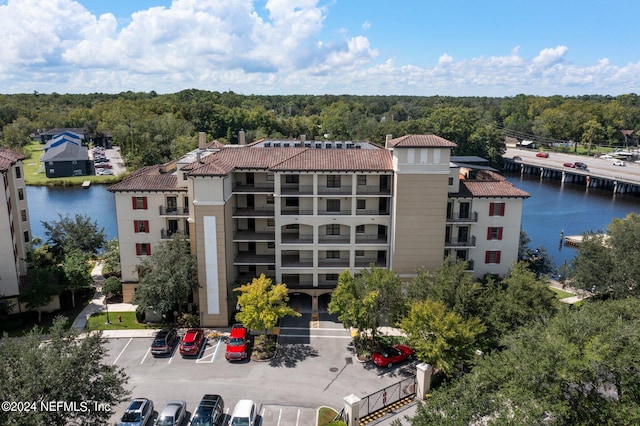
(361, 47)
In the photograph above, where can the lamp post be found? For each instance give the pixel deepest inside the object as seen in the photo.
(106, 305)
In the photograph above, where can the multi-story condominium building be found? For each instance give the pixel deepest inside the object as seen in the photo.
(301, 212)
(15, 229)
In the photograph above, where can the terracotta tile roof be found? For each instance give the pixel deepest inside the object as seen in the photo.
(488, 189)
(9, 158)
(148, 178)
(421, 141)
(312, 159)
(216, 145)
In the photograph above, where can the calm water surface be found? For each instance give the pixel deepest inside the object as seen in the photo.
(552, 208)
(46, 203)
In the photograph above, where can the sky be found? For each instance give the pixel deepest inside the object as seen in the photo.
(497, 48)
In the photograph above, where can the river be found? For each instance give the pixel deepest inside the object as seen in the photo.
(553, 207)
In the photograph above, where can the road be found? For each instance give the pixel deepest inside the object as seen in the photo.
(314, 367)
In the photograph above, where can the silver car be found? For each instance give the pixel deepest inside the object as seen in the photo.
(172, 414)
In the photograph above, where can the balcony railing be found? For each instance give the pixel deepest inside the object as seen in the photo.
(296, 262)
(166, 234)
(342, 190)
(372, 190)
(334, 239)
(253, 212)
(373, 212)
(365, 263)
(371, 239)
(456, 217)
(333, 263)
(251, 258)
(467, 242)
(296, 239)
(173, 211)
(334, 212)
(252, 188)
(247, 235)
(297, 212)
(290, 189)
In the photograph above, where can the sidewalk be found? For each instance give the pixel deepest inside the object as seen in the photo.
(97, 304)
(579, 294)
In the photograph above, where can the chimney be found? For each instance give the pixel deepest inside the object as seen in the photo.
(241, 139)
(202, 140)
(303, 138)
(386, 142)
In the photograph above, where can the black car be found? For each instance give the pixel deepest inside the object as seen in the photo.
(210, 411)
(164, 342)
(138, 413)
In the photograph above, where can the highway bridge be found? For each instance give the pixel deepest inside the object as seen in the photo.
(600, 173)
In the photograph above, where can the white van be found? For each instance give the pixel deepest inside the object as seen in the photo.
(244, 413)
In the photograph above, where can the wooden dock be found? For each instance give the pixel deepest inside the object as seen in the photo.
(86, 184)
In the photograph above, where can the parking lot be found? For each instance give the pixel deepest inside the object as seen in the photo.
(314, 367)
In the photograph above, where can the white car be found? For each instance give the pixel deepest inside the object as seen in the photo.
(619, 163)
(244, 413)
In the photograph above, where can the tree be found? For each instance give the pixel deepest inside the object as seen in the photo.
(39, 290)
(112, 285)
(78, 233)
(578, 368)
(263, 304)
(440, 337)
(167, 276)
(111, 258)
(61, 368)
(76, 272)
(537, 260)
(369, 300)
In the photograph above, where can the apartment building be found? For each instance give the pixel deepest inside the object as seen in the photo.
(15, 229)
(301, 212)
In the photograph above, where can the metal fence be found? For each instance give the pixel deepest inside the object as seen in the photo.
(387, 396)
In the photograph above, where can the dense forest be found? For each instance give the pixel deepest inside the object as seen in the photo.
(152, 128)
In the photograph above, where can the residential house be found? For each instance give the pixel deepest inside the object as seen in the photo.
(65, 155)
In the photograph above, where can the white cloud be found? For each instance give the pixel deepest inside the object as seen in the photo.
(57, 45)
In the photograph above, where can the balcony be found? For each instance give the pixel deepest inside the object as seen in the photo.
(289, 189)
(371, 239)
(297, 239)
(325, 190)
(253, 213)
(455, 242)
(334, 212)
(296, 212)
(465, 218)
(294, 261)
(334, 239)
(365, 263)
(166, 234)
(244, 188)
(372, 190)
(374, 212)
(248, 235)
(173, 211)
(252, 259)
(333, 263)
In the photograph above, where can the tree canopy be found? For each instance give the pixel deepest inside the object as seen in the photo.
(77, 233)
(61, 368)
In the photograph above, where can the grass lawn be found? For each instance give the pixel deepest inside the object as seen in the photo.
(326, 416)
(98, 321)
(35, 175)
(561, 294)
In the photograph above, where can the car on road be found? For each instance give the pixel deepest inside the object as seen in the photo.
(164, 342)
(192, 342)
(579, 165)
(104, 165)
(569, 165)
(244, 413)
(387, 356)
(172, 414)
(103, 172)
(138, 413)
(542, 155)
(237, 343)
(210, 411)
(619, 163)
(517, 158)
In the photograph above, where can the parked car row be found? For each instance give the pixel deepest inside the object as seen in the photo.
(191, 343)
(576, 165)
(209, 412)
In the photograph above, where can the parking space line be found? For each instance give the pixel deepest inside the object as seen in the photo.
(204, 358)
(279, 416)
(298, 418)
(145, 355)
(122, 351)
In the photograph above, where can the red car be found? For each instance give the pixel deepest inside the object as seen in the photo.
(237, 343)
(543, 154)
(573, 166)
(389, 355)
(192, 341)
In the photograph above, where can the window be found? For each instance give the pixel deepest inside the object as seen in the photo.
(465, 208)
(18, 172)
(292, 226)
(141, 226)
(333, 181)
(333, 205)
(492, 257)
(494, 233)
(450, 181)
(26, 236)
(20, 194)
(270, 177)
(360, 229)
(333, 229)
(143, 249)
(361, 204)
(331, 277)
(292, 179)
(333, 254)
(139, 203)
(271, 222)
(292, 202)
(359, 253)
(496, 209)
(362, 179)
(23, 215)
